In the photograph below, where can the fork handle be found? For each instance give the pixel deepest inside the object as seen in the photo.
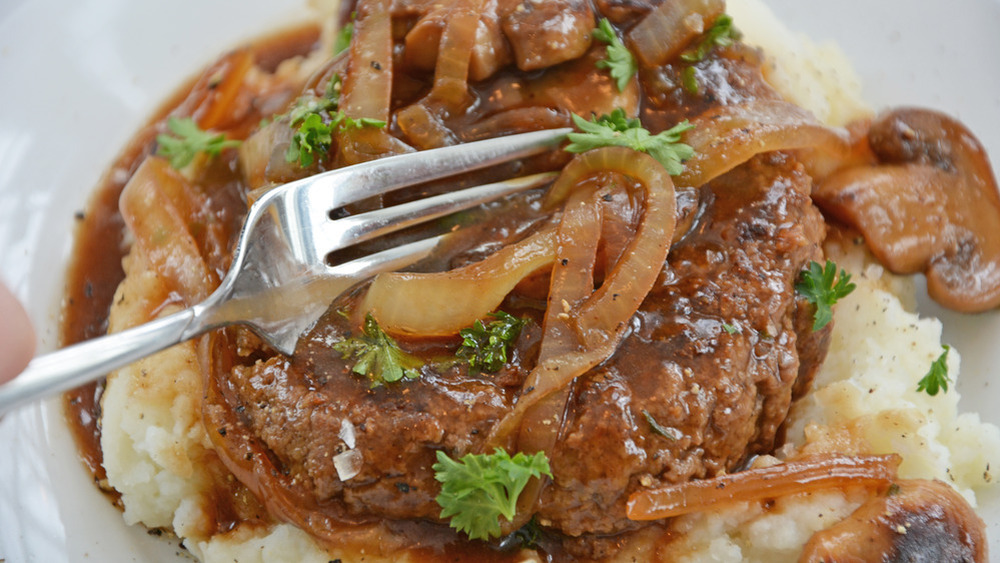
(78, 364)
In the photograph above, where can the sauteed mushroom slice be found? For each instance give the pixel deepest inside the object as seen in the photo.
(931, 205)
(915, 521)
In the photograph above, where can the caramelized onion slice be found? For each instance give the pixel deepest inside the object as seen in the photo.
(367, 90)
(800, 476)
(159, 207)
(727, 136)
(934, 207)
(572, 281)
(442, 303)
(670, 27)
(584, 325)
(458, 40)
(212, 102)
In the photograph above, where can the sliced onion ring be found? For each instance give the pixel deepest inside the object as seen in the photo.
(598, 317)
(800, 476)
(727, 136)
(583, 327)
(367, 90)
(670, 27)
(442, 303)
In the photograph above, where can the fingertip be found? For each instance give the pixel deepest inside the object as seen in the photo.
(17, 337)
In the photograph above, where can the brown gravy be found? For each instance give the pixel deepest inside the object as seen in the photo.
(93, 276)
(95, 269)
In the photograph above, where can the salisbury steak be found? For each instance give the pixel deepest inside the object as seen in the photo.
(702, 381)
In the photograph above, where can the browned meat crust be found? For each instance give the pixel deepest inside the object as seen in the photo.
(723, 396)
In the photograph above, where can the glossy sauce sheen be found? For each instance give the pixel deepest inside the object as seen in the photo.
(678, 333)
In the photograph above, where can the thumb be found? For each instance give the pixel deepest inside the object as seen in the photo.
(17, 338)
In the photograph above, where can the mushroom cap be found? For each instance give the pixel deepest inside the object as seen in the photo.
(929, 205)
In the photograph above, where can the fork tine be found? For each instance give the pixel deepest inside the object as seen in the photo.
(347, 231)
(304, 205)
(355, 183)
(387, 260)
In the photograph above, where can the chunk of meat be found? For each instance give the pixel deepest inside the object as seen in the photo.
(722, 395)
(547, 32)
(625, 12)
(712, 355)
(490, 53)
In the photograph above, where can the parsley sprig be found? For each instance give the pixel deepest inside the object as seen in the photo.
(822, 287)
(315, 123)
(721, 34)
(620, 63)
(344, 37)
(937, 377)
(188, 140)
(617, 130)
(378, 356)
(479, 488)
(313, 137)
(485, 346)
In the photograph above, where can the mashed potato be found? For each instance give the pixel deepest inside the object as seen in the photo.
(158, 454)
(863, 400)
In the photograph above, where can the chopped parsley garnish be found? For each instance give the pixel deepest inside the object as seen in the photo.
(665, 431)
(620, 63)
(344, 37)
(485, 346)
(529, 534)
(313, 137)
(689, 79)
(479, 488)
(818, 287)
(937, 377)
(188, 140)
(378, 356)
(721, 34)
(315, 123)
(731, 329)
(617, 130)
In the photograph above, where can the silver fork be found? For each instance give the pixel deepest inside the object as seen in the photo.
(279, 283)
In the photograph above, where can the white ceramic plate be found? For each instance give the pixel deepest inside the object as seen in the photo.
(78, 77)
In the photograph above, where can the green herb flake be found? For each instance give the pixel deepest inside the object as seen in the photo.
(721, 34)
(479, 488)
(937, 377)
(617, 130)
(689, 79)
(529, 534)
(665, 431)
(344, 36)
(485, 346)
(188, 140)
(313, 137)
(620, 63)
(315, 123)
(378, 356)
(731, 328)
(822, 287)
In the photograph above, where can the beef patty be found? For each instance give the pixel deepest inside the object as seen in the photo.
(702, 381)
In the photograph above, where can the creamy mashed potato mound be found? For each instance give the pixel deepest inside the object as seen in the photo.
(864, 399)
